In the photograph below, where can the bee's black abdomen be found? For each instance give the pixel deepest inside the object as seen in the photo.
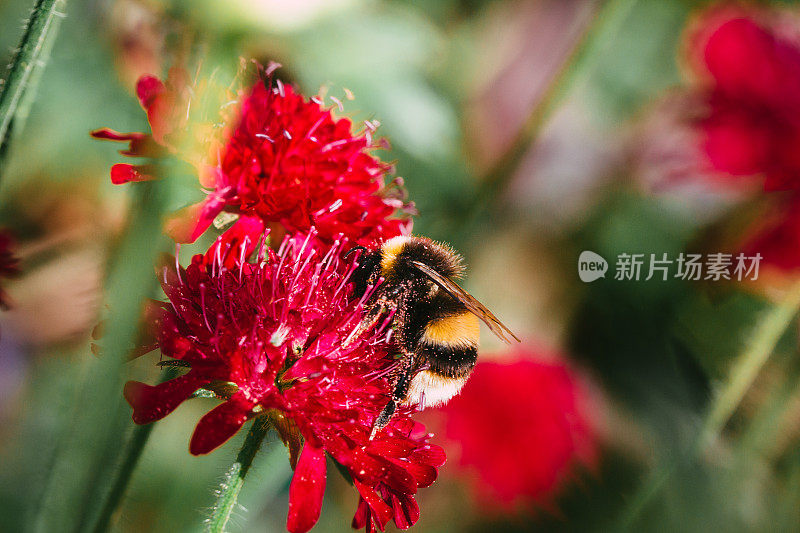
(450, 361)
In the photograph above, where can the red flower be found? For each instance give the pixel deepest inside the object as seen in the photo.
(752, 76)
(290, 161)
(165, 105)
(268, 338)
(522, 427)
(9, 264)
(280, 159)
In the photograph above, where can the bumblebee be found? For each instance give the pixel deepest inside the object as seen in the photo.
(435, 321)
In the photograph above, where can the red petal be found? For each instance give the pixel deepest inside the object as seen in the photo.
(737, 143)
(398, 478)
(406, 512)
(430, 454)
(380, 509)
(140, 144)
(306, 490)
(363, 466)
(362, 514)
(154, 403)
(424, 475)
(125, 173)
(745, 59)
(160, 104)
(190, 222)
(219, 424)
(390, 446)
(148, 88)
(237, 243)
(172, 342)
(107, 134)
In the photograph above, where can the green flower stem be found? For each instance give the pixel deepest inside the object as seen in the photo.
(766, 425)
(593, 43)
(30, 56)
(743, 373)
(133, 451)
(748, 365)
(91, 448)
(234, 478)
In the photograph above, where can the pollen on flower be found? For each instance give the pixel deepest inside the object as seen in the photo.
(279, 336)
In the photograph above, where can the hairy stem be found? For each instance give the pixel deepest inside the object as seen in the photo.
(234, 479)
(30, 56)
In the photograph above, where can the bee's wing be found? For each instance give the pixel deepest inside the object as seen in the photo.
(477, 308)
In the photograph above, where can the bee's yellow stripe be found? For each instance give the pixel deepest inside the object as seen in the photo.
(457, 330)
(389, 252)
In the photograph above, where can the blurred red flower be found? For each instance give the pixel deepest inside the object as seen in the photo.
(9, 264)
(166, 106)
(750, 71)
(522, 427)
(776, 237)
(268, 339)
(278, 158)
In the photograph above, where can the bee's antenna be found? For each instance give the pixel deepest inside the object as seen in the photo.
(353, 249)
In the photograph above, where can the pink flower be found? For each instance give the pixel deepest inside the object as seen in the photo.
(522, 426)
(749, 69)
(267, 337)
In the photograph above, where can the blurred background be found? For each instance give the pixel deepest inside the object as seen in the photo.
(526, 131)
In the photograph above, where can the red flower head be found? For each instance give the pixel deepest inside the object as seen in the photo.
(267, 337)
(521, 426)
(281, 159)
(166, 108)
(9, 264)
(751, 69)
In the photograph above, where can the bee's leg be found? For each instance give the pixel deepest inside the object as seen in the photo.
(398, 395)
(384, 418)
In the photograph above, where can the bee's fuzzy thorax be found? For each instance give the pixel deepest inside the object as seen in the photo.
(398, 252)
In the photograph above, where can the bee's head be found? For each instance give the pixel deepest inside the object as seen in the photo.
(368, 270)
